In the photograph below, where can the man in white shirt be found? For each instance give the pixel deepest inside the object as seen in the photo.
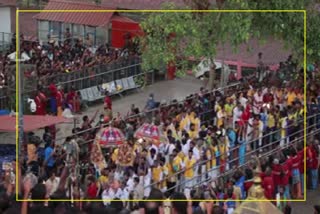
(237, 112)
(186, 146)
(257, 101)
(130, 182)
(52, 183)
(152, 156)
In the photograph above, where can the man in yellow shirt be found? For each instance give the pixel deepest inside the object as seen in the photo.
(228, 107)
(271, 125)
(189, 173)
(165, 172)
(291, 96)
(157, 174)
(193, 133)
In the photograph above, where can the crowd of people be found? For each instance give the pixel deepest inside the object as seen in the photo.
(53, 57)
(218, 145)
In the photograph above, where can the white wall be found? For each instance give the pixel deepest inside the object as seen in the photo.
(5, 20)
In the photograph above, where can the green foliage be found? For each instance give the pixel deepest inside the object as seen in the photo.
(199, 34)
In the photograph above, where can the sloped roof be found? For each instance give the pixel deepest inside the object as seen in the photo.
(4, 3)
(83, 18)
(140, 4)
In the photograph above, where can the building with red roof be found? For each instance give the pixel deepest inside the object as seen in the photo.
(102, 27)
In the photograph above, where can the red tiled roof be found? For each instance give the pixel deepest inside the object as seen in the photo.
(140, 4)
(91, 19)
(8, 3)
(123, 19)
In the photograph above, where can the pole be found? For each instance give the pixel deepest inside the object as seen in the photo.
(20, 101)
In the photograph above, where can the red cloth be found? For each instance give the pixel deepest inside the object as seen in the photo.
(285, 174)
(301, 156)
(41, 103)
(296, 162)
(108, 102)
(53, 89)
(289, 164)
(92, 190)
(309, 157)
(268, 98)
(262, 175)
(268, 186)
(59, 98)
(70, 96)
(276, 173)
(247, 185)
(314, 159)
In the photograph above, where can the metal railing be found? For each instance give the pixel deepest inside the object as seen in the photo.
(84, 78)
(237, 148)
(224, 175)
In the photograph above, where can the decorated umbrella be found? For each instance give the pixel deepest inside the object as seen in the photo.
(110, 136)
(256, 202)
(151, 132)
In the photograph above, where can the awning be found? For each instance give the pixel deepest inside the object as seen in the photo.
(94, 19)
(31, 122)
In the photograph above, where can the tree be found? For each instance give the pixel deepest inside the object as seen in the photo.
(199, 34)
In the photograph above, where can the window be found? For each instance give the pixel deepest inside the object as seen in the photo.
(78, 31)
(55, 30)
(65, 26)
(101, 37)
(43, 30)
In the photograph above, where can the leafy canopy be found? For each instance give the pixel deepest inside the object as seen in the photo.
(175, 36)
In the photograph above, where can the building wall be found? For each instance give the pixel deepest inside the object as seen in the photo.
(5, 19)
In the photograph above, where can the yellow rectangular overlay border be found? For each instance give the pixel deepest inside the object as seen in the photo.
(304, 12)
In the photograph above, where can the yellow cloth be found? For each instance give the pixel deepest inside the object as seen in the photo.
(222, 149)
(165, 171)
(171, 172)
(283, 130)
(250, 92)
(184, 124)
(181, 155)
(189, 173)
(114, 155)
(193, 134)
(228, 108)
(291, 97)
(271, 121)
(214, 149)
(196, 122)
(156, 174)
(209, 157)
(220, 119)
(103, 179)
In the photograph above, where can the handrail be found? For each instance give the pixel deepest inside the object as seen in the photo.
(146, 111)
(230, 171)
(236, 148)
